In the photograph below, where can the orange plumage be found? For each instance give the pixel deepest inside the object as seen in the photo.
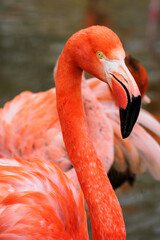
(37, 201)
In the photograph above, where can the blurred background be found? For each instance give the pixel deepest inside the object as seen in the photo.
(32, 36)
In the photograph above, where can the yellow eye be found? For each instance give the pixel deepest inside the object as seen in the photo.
(99, 54)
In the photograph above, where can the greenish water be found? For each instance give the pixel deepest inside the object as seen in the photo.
(32, 36)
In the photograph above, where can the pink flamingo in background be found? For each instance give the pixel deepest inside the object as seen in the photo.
(98, 51)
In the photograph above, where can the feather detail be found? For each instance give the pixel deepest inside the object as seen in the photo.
(149, 150)
(148, 121)
(40, 201)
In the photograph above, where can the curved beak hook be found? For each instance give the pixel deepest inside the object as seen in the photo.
(127, 94)
(129, 114)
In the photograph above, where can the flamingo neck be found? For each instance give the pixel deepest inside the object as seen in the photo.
(105, 212)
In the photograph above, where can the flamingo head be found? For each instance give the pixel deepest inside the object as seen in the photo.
(99, 52)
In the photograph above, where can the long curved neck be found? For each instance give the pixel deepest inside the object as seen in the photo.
(105, 212)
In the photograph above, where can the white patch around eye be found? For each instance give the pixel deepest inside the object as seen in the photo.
(111, 66)
(114, 65)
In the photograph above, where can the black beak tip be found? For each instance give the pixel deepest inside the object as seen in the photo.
(129, 116)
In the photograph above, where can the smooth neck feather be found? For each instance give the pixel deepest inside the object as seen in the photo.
(105, 211)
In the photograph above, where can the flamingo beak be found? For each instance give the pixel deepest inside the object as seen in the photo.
(127, 95)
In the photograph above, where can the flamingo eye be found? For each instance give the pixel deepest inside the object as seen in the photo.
(99, 54)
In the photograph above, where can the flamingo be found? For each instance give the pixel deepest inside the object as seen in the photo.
(98, 51)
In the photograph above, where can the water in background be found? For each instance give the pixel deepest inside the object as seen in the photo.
(32, 36)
